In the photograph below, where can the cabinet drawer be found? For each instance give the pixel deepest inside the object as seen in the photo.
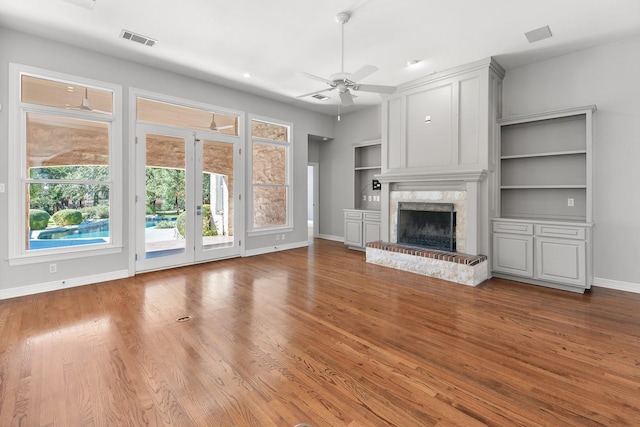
(513, 228)
(352, 215)
(561, 231)
(372, 216)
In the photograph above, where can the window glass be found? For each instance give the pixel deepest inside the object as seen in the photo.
(64, 165)
(164, 113)
(69, 96)
(269, 207)
(270, 162)
(271, 156)
(61, 141)
(272, 131)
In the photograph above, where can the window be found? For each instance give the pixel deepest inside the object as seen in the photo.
(65, 167)
(271, 163)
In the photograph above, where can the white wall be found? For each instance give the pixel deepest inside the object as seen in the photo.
(34, 51)
(336, 167)
(608, 76)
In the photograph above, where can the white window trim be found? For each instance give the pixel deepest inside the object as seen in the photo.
(18, 255)
(288, 177)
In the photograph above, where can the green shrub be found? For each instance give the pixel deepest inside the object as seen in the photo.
(67, 217)
(181, 223)
(38, 219)
(95, 212)
(165, 224)
(208, 228)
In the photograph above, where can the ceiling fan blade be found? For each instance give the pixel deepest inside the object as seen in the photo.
(375, 88)
(315, 92)
(219, 128)
(362, 73)
(321, 79)
(346, 98)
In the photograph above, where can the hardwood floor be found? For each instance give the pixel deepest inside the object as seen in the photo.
(315, 335)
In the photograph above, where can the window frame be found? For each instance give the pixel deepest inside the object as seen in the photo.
(288, 145)
(17, 156)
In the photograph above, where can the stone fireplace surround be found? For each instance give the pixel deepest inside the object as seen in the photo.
(458, 187)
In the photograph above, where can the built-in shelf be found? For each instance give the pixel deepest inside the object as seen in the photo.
(367, 157)
(551, 153)
(521, 187)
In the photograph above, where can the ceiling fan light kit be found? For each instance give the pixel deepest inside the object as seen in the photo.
(347, 82)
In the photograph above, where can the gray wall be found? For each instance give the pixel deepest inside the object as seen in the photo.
(38, 52)
(608, 77)
(336, 167)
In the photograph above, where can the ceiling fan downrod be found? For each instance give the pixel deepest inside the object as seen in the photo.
(342, 18)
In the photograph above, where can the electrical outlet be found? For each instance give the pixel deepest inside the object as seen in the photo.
(283, 236)
(1, 187)
(53, 268)
(369, 198)
(364, 198)
(277, 237)
(571, 201)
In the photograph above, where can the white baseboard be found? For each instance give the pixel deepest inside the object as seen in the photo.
(20, 291)
(277, 248)
(617, 285)
(329, 237)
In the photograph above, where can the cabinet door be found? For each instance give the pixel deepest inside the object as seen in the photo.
(371, 232)
(513, 254)
(560, 260)
(353, 232)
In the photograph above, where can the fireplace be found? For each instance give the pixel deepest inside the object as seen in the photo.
(428, 225)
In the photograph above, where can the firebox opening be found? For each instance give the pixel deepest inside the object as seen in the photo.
(428, 225)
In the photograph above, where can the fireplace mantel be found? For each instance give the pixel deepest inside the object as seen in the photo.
(433, 176)
(467, 181)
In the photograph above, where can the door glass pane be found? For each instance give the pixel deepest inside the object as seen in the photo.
(165, 196)
(217, 195)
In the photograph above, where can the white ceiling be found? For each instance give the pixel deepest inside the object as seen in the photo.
(275, 40)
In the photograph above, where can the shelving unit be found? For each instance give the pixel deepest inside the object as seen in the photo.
(362, 224)
(367, 163)
(545, 166)
(545, 173)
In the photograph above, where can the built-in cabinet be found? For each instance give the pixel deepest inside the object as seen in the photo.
(361, 227)
(543, 233)
(362, 224)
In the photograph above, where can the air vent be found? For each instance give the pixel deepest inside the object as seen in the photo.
(538, 34)
(320, 97)
(129, 35)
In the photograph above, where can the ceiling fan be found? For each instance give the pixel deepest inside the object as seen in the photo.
(346, 82)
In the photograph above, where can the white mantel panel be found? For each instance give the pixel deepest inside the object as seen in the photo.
(394, 149)
(430, 143)
(469, 122)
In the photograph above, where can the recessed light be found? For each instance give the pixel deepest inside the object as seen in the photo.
(247, 75)
(320, 97)
(412, 62)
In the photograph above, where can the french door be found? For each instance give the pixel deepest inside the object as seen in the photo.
(187, 209)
